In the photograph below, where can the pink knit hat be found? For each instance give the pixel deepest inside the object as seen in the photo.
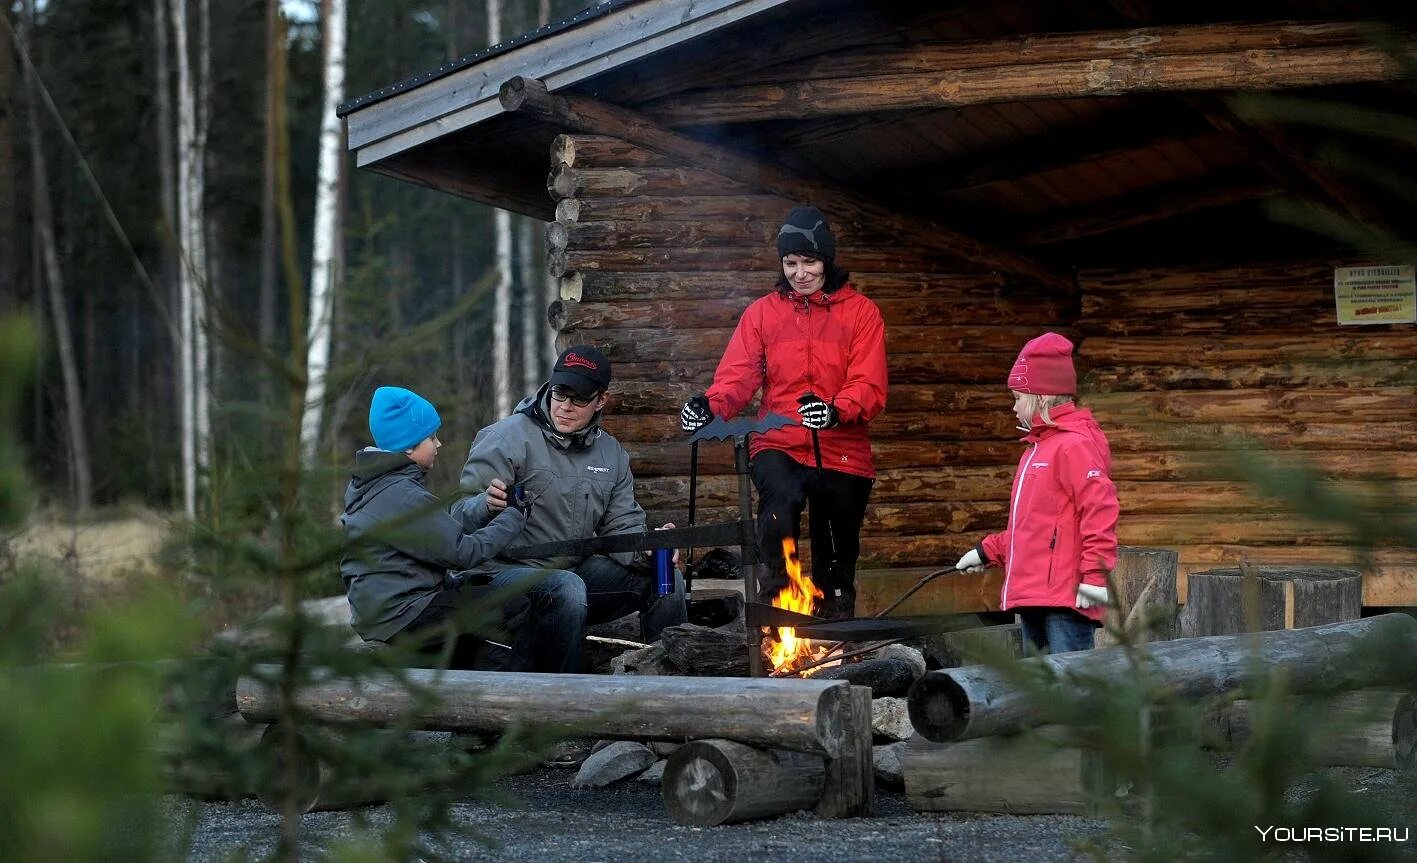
(1045, 367)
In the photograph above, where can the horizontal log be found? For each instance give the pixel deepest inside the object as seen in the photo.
(1370, 405)
(938, 308)
(712, 782)
(1205, 298)
(601, 151)
(900, 519)
(653, 344)
(956, 593)
(1300, 319)
(924, 425)
(692, 207)
(1366, 728)
(748, 285)
(1349, 374)
(938, 369)
(1164, 280)
(567, 182)
(655, 459)
(738, 231)
(903, 259)
(1023, 774)
(1221, 351)
(802, 715)
(979, 701)
(938, 56)
(1149, 436)
(1223, 70)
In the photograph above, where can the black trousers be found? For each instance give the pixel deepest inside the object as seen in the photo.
(459, 615)
(836, 504)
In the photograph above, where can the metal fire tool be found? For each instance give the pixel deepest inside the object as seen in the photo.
(810, 396)
(738, 431)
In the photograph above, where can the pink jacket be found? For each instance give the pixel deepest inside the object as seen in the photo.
(833, 345)
(1062, 515)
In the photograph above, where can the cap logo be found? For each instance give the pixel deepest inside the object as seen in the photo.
(809, 233)
(578, 361)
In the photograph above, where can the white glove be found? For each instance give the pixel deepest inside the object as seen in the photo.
(1090, 595)
(971, 562)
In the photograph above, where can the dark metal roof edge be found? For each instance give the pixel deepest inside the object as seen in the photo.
(601, 8)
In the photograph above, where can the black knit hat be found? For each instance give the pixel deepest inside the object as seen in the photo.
(807, 232)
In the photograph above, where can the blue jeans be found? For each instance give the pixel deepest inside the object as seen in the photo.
(563, 602)
(1056, 630)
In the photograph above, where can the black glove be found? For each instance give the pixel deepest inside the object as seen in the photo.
(696, 414)
(817, 414)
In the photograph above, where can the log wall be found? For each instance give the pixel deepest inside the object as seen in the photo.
(657, 260)
(1182, 365)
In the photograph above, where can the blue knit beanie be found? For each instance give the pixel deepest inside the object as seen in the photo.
(401, 419)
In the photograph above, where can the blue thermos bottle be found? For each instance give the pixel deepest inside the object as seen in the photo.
(664, 570)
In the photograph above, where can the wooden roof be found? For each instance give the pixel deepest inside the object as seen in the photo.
(1059, 133)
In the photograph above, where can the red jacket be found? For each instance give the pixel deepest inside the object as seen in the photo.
(833, 345)
(1062, 515)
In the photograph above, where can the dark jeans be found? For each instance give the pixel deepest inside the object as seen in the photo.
(1056, 630)
(480, 638)
(599, 590)
(837, 506)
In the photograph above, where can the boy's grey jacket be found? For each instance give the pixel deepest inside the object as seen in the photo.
(579, 485)
(412, 543)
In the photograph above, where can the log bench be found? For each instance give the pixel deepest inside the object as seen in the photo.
(828, 720)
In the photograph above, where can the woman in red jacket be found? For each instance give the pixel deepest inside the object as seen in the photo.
(816, 348)
(1061, 541)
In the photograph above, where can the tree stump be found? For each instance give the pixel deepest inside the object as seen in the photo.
(711, 782)
(1224, 602)
(1145, 584)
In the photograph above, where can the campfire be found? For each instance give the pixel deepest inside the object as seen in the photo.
(785, 650)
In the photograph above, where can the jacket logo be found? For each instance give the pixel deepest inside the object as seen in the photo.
(1093, 473)
(843, 458)
(1040, 464)
(578, 361)
(598, 469)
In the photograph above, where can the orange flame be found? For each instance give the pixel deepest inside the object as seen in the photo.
(786, 649)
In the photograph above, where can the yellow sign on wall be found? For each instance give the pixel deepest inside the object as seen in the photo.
(1375, 295)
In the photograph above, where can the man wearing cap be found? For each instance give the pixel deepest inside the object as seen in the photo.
(577, 478)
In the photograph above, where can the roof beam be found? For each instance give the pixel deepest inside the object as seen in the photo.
(585, 114)
(1112, 66)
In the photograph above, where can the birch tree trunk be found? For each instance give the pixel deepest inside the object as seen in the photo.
(80, 477)
(325, 240)
(202, 282)
(502, 298)
(192, 256)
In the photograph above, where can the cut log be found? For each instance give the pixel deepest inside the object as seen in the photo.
(712, 782)
(699, 650)
(1366, 728)
(567, 182)
(1223, 601)
(850, 790)
(978, 645)
(1035, 773)
(1145, 600)
(804, 715)
(980, 701)
(884, 677)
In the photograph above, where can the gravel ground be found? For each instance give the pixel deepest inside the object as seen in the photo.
(626, 823)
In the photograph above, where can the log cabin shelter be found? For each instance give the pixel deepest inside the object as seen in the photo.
(1132, 174)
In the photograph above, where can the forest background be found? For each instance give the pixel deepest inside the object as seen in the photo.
(143, 187)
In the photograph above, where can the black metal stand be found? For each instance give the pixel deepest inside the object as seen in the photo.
(748, 552)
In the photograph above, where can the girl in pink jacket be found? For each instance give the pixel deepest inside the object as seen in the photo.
(1061, 540)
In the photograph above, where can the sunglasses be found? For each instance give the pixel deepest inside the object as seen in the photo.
(561, 394)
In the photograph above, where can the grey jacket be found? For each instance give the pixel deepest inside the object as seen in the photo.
(404, 543)
(579, 485)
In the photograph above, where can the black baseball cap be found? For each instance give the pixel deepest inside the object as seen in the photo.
(583, 370)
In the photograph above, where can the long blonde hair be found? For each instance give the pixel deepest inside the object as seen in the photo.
(1040, 405)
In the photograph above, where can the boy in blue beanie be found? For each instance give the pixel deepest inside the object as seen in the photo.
(398, 579)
